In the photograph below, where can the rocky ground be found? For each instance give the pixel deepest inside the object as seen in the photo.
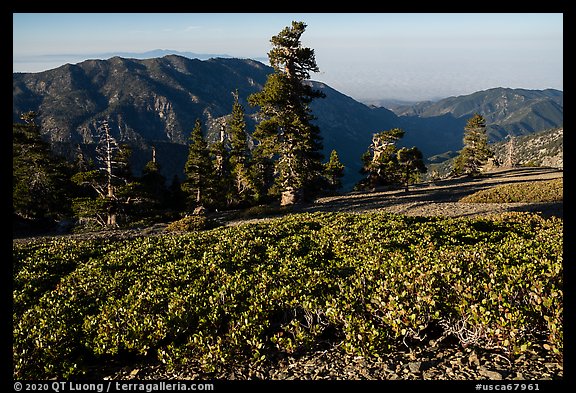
(448, 361)
(430, 360)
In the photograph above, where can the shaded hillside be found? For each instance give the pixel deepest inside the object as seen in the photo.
(144, 100)
(545, 148)
(156, 101)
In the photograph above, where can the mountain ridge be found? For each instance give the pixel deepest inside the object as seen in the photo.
(156, 102)
(505, 109)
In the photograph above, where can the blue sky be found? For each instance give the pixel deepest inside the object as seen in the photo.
(366, 56)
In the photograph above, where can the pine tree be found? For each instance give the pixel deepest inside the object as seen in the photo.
(286, 133)
(153, 185)
(333, 172)
(411, 163)
(380, 161)
(261, 175)
(223, 181)
(199, 171)
(40, 179)
(475, 152)
(240, 153)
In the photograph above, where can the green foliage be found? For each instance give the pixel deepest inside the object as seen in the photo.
(190, 224)
(40, 179)
(411, 163)
(199, 171)
(333, 172)
(260, 211)
(476, 150)
(366, 282)
(261, 174)
(286, 132)
(527, 192)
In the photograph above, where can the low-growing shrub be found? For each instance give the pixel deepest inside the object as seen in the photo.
(528, 192)
(191, 223)
(264, 211)
(367, 282)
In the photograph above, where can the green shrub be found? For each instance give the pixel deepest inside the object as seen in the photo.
(264, 211)
(191, 224)
(528, 192)
(367, 282)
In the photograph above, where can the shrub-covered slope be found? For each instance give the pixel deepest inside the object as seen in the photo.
(250, 293)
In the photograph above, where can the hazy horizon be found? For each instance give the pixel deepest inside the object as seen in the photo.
(406, 57)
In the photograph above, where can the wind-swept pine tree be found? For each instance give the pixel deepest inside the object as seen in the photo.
(286, 132)
(475, 152)
(380, 161)
(199, 171)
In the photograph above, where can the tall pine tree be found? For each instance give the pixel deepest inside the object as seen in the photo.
(286, 133)
(240, 153)
(199, 171)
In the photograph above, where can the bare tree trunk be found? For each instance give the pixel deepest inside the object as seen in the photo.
(111, 219)
(108, 159)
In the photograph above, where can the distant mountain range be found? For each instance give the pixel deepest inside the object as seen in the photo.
(72, 57)
(156, 101)
(34, 62)
(507, 111)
